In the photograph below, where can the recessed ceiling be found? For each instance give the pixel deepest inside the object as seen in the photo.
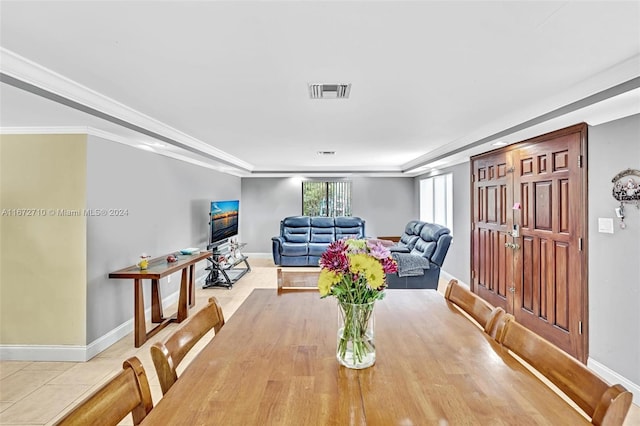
(225, 83)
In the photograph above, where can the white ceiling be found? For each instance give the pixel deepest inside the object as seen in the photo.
(224, 83)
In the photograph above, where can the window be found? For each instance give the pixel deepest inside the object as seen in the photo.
(326, 198)
(436, 200)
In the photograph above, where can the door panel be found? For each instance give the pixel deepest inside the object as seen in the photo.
(541, 277)
(492, 199)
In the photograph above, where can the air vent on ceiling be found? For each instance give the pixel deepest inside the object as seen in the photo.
(329, 91)
(326, 152)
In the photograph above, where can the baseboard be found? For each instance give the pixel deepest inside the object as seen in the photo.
(612, 377)
(259, 255)
(79, 353)
(445, 275)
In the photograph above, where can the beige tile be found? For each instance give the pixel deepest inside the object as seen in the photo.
(43, 404)
(88, 373)
(22, 383)
(633, 417)
(9, 367)
(51, 366)
(4, 406)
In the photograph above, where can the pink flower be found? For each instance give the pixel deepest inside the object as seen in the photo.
(334, 258)
(377, 250)
(389, 266)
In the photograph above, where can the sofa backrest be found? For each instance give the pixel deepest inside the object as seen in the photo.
(296, 229)
(411, 233)
(320, 229)
(433, 242)
(349, 227)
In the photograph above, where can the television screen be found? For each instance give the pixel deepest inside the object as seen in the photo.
(224, 219)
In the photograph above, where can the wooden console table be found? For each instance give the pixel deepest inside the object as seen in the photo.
(159, 268)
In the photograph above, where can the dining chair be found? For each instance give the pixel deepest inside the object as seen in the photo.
(482, 312)
(606, 405)
(128, 392)
(168, 355)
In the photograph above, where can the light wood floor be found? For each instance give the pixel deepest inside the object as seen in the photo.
(38, 393)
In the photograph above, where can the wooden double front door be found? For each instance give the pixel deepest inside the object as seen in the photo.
(528, 243)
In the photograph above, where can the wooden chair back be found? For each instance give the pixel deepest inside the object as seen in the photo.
(168, 355)
(606, 405)
(126, 393)
(480, 310)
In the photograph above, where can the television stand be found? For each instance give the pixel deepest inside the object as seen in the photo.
(224, 270)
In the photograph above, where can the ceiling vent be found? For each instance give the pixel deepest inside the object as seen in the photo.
(326, 152)
(329, 91)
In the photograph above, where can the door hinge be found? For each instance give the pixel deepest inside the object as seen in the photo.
(579, 244)
(473, 274)
(579, 160)
(579, 327)
(473, 226)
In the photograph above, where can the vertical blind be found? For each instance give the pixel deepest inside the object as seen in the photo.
(326, 198)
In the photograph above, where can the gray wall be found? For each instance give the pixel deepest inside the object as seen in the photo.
(614, 259)
(386, 204)
(457, 262)
(167, 203)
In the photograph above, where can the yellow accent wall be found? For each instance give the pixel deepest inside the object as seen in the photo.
(43, 251)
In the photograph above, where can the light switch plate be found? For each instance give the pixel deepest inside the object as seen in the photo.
(605, 225)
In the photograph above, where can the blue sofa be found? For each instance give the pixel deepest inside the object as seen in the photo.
(420, 254)
(303, 239)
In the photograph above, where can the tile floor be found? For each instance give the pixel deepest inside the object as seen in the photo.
(39, 393)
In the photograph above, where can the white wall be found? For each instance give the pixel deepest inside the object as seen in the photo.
(458, 260)
(386, 205)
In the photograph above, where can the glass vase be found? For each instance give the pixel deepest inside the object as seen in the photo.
(356, 346)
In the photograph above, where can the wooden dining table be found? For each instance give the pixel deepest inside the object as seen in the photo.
(274, 363)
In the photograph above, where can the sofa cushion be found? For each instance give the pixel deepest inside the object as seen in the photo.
(297, 221)
(322, 222)
(424, 248)
(431, 231)
(316, 249)
(322, 230)
(296, 235)
(294, 249)
(322, 238)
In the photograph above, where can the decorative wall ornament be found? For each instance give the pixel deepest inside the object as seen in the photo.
(626, 189)
(626, 186)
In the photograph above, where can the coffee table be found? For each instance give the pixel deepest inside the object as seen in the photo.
(292, 278)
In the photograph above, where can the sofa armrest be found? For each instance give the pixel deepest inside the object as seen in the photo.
(399, 249)
(276, 248)
(441, 249)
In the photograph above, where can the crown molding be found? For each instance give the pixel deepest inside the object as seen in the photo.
(92, 131)
(28, 75)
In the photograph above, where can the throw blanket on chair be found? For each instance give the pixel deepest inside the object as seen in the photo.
(410, 265)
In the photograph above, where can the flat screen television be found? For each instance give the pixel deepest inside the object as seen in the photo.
(224, 220)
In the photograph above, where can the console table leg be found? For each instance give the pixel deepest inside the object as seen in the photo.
(192, 285)
(156, 302)
(183, 309)
(140, 329)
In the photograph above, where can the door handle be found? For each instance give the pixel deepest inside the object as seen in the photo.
(513, 246)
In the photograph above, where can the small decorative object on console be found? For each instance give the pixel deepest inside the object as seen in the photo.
(172, 258)
(144, 261)
(354, 271)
